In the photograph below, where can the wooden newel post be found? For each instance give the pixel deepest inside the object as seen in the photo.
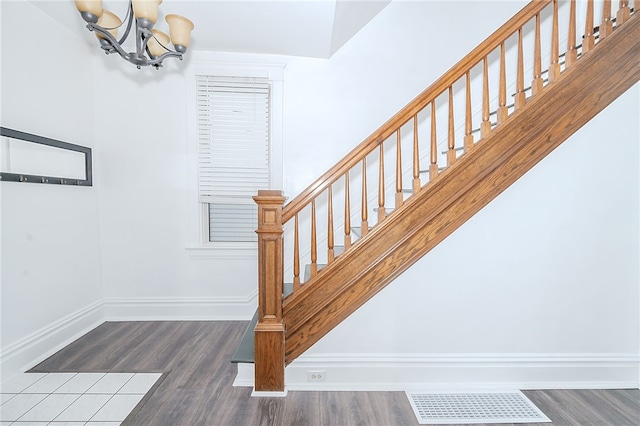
(269, 331)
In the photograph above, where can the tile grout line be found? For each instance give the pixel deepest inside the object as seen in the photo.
(144, 394)
(43, 399)
(110, 398)
(85, 393)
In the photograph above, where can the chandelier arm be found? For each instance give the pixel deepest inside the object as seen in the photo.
(140, 43)
(161, 45)
(158, 61)
(113, 43)
(143, 35)
(129, 19)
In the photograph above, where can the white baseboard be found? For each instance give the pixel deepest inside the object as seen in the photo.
(269, 394)
(401, 372)
(245, 375)
(41, 344)
(25, 353)
(235, 308)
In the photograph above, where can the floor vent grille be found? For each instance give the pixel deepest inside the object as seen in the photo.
(474, 407)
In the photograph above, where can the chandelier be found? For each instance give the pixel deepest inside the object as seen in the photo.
(151, 44)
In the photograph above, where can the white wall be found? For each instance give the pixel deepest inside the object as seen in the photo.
(328, 108)
(51, 279)
(543, 281)
(546, 274)
(152, 267)
(331, 106)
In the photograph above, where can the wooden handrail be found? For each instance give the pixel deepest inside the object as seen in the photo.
(434, 98)
(420, 102)
(421, 114)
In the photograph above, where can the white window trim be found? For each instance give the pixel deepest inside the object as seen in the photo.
(198, 244)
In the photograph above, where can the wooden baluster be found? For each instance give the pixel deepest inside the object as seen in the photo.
(296, 256)
(554, 63)
(521, 97)
(451, 138)
(314, 245)
(537, 83)
(589, 39)
(503, 112)
(571, 56)
(399, 197)
(365, 225)
(416, 184)
(381, 210)
(347, 212)
(433, 166)
(330, 243)
(624, 13)
(468, 118)
(269, 331)
(485, 127)
(606, 27)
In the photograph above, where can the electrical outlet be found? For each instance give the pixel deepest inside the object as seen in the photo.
(316, 375)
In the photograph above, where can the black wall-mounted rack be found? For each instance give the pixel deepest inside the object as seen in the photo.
(55, 180)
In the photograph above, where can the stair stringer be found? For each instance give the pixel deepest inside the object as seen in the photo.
(462, 190)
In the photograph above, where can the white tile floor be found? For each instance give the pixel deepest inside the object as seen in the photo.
(72, 399)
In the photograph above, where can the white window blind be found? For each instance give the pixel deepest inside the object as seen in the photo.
(233, 152)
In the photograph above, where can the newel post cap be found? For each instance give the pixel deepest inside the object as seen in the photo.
(269, 195)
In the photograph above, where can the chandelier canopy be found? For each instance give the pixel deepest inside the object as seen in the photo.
(151, 44)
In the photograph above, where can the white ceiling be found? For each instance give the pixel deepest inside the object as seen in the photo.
(314, 28)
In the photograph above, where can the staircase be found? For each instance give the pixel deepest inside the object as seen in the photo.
(499, 142)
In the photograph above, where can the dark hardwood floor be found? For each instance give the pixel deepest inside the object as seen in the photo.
(196, 389)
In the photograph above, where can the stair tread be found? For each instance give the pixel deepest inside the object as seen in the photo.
(307, 270)
(287, 289)
(245, 351)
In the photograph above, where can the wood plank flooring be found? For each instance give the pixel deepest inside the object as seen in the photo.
(197, 391)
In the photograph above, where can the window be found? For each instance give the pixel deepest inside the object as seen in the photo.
(234, 125)
(233, 152)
